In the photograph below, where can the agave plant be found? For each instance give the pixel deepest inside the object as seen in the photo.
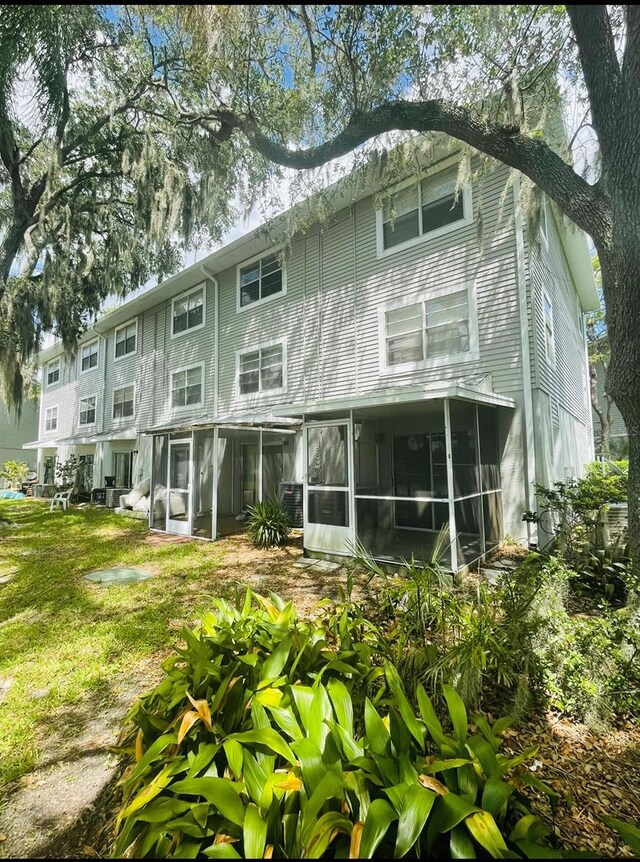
(268, 523)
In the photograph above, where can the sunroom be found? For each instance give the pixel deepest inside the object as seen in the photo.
(406, 473)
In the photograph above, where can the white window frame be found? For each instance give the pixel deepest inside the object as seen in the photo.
(47, 410)
(84, 347)
(115, 340)
(57, 382)
(278, 251)
(262, 393)
(466, 194)
(185, 408)
(95, 409)
(120, 419)
(544, 219)
(184, 295)
(472, 355)
(551, 359)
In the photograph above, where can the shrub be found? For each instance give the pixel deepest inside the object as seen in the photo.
(271, 737)
(14, 473)
(268, 523)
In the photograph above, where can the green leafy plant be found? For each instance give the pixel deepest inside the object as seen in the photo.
(268, 523)
(629, 832)
(14, 473)
(256, 744)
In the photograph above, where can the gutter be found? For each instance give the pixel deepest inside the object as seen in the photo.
(527, 385)
(216, 335)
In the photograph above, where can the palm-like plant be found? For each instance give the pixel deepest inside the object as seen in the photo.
(268, 523)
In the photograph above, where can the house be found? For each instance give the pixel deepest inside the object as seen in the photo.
(15, 432)
(618, 434)
(415, 360)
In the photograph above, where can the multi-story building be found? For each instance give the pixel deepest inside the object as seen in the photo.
(416, 361)
(15, 431)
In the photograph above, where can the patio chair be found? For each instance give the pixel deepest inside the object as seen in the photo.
(61, 499)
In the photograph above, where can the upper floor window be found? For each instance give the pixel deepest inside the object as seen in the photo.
(431, 328)
(125, 339)
(425, 207)
(89, 356)
(88, 410)
(53, 372)
(549, 339)
(187, 311)
(260, 279)
(544, 224)
(186, 387)
(261, 370)
(123, 402)
(51, 419)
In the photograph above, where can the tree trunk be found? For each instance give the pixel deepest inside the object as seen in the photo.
(604, 415)
(9, 249)
(621, 286)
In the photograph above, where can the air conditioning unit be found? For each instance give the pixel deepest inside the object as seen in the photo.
(291, 497)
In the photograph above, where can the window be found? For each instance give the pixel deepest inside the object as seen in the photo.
(188, 311)
(422, 208)
(260, 279)
(86, 463)
(53, 372)
(123, 468)
(126, 337)
(431, 328)
(123, 403)
(261, 370)
(49, 469)
(88, 410)
(544, 230)
(89, 355)
(549, 344)
(186, 387)
(51, 419)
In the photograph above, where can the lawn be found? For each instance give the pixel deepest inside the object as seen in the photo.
(71, 647)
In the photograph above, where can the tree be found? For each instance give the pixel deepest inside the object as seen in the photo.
(307, 84)
(99, 187)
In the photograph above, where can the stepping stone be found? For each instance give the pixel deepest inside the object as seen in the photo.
(107, 577)
(5, 684)
(325, 566)
(492, 575)
(303, 563)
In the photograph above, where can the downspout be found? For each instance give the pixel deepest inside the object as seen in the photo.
(104, 381)
(216, 340)
(527, 387)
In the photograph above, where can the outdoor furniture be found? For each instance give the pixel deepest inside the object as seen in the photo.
(113, 496)
(61, 499)
(99, 496)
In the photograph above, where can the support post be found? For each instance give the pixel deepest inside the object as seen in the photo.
(450, 488)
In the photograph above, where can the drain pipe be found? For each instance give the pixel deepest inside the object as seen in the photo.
(216, 290)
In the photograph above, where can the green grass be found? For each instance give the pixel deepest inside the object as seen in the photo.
(75, 644)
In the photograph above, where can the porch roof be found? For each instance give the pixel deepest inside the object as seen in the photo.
(129, 433)
(285, 424)
(400, 395)
(41, 444)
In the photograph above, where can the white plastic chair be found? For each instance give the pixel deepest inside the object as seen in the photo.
(60, 499)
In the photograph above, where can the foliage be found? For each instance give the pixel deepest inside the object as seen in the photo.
(14, 472)
(630, 832)
(261, 741)
(268, 523)
(512, 645)
(575, 513)
(66, 472)
(479, 638)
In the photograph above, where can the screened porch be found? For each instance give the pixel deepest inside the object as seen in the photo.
(393, 477)
(204, 480)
